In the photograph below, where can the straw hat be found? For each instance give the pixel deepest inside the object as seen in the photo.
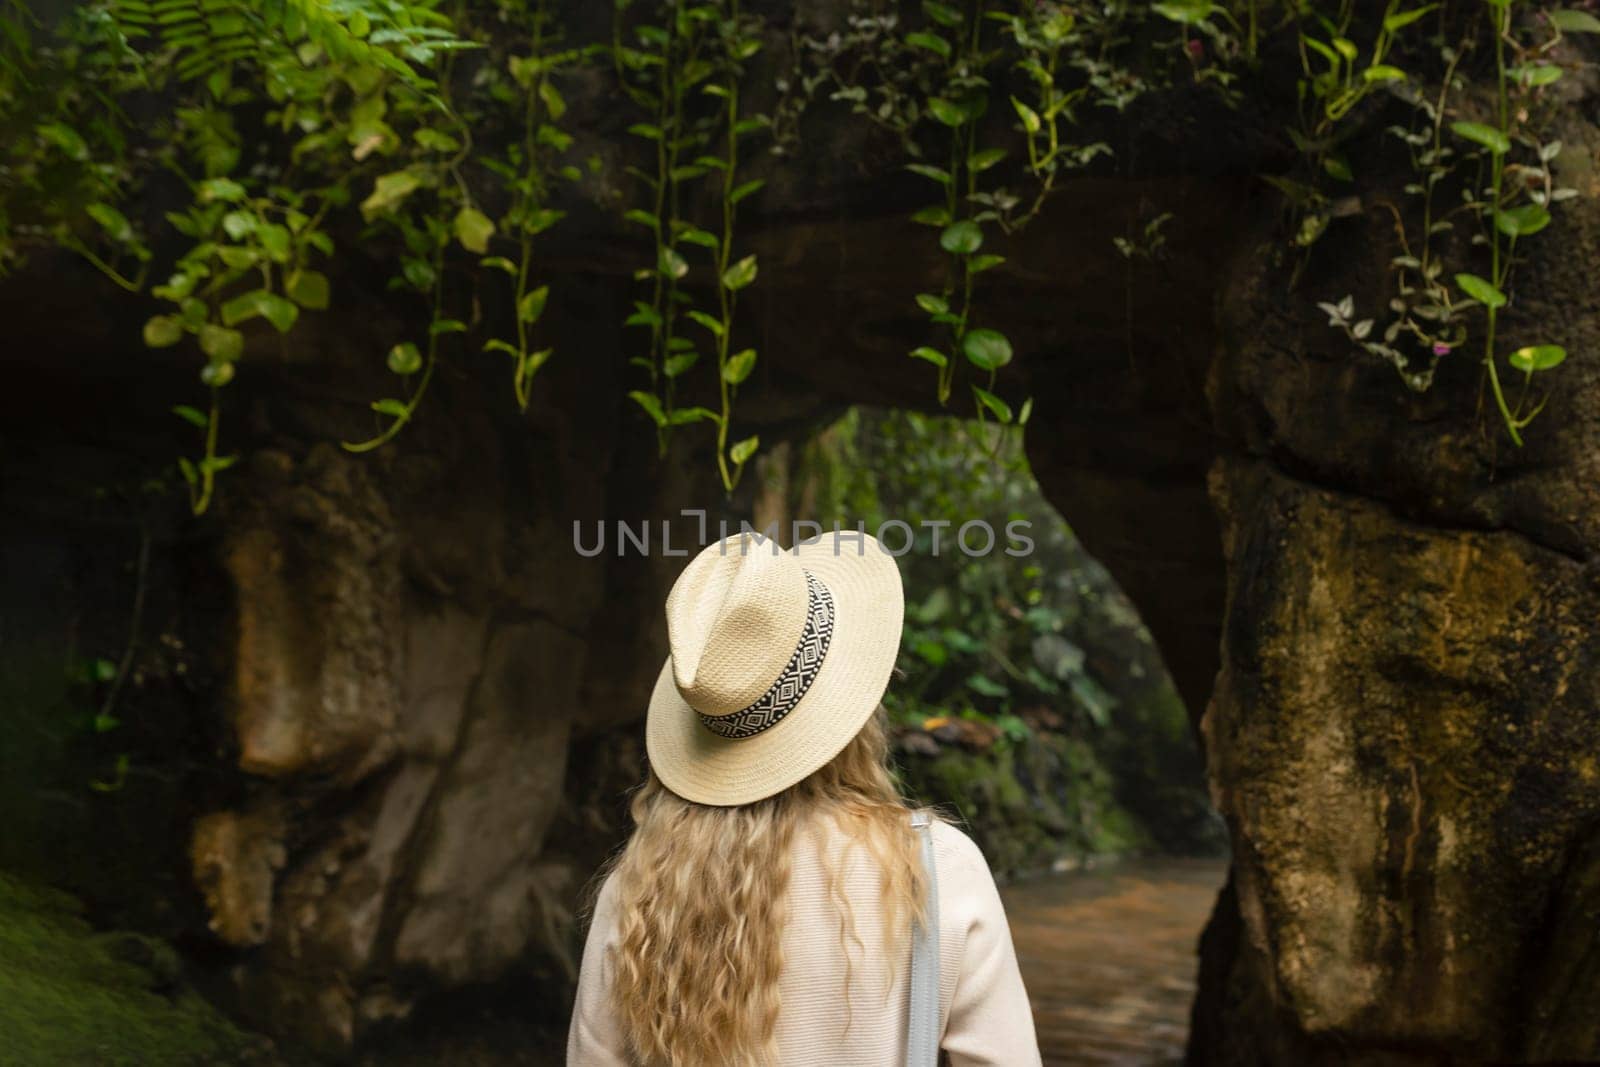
(779, 657)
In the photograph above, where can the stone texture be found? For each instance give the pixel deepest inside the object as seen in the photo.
(235, 858)
(1403, 740)
(316, 587)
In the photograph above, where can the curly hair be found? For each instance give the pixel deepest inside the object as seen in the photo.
(701, 902)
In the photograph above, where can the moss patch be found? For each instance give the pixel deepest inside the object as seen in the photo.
(69, 995)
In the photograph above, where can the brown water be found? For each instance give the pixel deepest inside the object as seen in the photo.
(1109, 958)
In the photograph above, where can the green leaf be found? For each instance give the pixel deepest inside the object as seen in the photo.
(552, 101)
(931, 41)
(473, 230)
(221, 344)
(436, 140)
(308, 288)
(961, 238)
(1522, 221)
(986, 686)
(710, 322)
(943, 14)
(1026, 413)
(498, 263)
(739, 366)
(1337, 168)
(217, 374)
(65, 138)
(278, 311)
(1481, 290)
(932, 355)
(1346, 48)
(269, 305)
(742, 191)
(933, 215)
(112, 221)
(387, 193)
(163, 330)
(404, 358)
(641, 216)
(1537, 357)
(193, 416)
(392, 407)
(740, 274)
(743, 450)
(1487, 136)
(673, 366)
(1187, 12)
(1401, 19)
(671, 264)
(1383, 72)
(946, 112)
(1536, 75)
(696, 236)
(933, 305)
(986, 349)
(1574, 22)
(221, 189)
(982, 263)
(645, 130)
(531, 306)
(979, 162)
(1029, 117)
(1001, 409)
(937, 174)
(651, 405)
(680, 416)
(239, 224)
(275, 239)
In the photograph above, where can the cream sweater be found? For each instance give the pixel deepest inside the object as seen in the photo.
(983, 1006)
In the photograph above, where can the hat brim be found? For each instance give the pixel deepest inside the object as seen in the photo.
(869, 610)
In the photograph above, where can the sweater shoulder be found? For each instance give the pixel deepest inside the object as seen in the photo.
(958, 854)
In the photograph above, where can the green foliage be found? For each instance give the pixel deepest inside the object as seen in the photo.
(686, 71)
(69, 995)
(1492, 149)
(1012, 661)
(435, 137)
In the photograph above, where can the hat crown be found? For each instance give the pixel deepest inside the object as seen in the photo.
(733, 619)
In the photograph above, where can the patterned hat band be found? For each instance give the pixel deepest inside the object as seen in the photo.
(795, 678)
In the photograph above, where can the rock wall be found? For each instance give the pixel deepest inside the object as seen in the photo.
(1403, 733)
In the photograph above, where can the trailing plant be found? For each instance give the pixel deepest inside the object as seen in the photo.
(528, 169)
(687, 72)
(1507, 198)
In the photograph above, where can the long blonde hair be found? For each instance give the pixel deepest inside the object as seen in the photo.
(701, 904)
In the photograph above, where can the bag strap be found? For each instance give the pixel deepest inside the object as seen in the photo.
(922, 1038)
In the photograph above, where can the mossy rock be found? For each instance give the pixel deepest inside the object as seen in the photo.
(71, 996)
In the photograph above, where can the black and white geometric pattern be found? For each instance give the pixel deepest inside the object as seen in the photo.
(794, 679)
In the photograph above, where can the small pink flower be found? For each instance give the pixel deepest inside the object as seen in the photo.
(1440, 348)
(1197, 48)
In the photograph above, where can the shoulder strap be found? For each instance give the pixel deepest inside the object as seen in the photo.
(922, 1040)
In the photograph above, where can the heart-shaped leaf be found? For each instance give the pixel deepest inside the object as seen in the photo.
(961, 238)
(987, 349)
(1537, 357)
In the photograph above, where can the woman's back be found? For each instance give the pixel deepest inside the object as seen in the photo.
(983, 1006)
